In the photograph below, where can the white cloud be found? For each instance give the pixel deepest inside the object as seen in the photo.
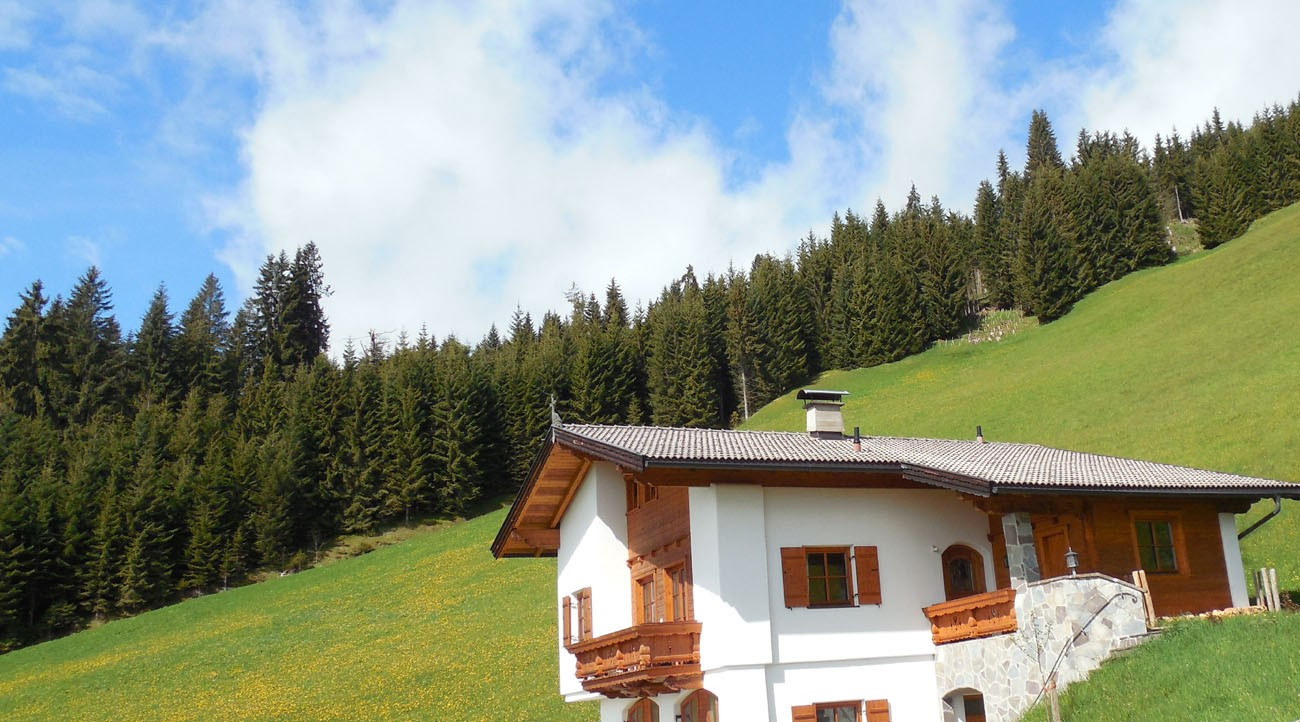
(459, 165)
(1173, 63)
(15, 18)
(10, 245)
(84, 249)
(70, 91)
(451, 161)
(918, 81)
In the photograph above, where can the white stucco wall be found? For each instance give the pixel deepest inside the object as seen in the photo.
(765, 658)
(593, 553)
(909, 528)
(742, 696)
(908, 683)
(729, 573)
(1232, 559)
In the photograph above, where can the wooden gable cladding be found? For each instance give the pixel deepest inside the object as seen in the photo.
(659, 552)
(533, 529)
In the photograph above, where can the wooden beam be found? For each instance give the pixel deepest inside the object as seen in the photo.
(539, 539)
(574, 483)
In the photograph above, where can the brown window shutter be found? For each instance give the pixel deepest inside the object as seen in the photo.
(867, 562)
(567, 620)
(804, 713)
(585, 622)
(877, 709)
(794, 573)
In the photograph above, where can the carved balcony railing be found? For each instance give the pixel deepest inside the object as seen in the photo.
(979, 615)
(648, 659)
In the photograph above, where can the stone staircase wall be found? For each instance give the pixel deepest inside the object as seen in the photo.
(1091, 616)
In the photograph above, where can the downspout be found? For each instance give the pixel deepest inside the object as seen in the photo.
(1277, 509)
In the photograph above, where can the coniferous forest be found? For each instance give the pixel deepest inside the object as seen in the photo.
(178, 459)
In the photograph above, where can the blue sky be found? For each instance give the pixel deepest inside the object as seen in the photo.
(454, 159)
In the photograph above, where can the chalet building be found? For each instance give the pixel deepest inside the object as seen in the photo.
(736, 576)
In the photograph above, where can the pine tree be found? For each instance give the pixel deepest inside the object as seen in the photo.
(203, 342)
(1041, 152)
(152, 353)
(21, 353)
(1044, 267)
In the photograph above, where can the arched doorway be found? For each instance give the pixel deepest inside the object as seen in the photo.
(700, 706)
(964, 705)
(643, 710)
(963, 572)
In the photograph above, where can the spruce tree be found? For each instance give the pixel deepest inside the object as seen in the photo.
(21, 354)
(1041, 152)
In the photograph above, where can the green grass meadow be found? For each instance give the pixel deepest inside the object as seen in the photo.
(1197, 363)
(1239, 668)
(429, 629)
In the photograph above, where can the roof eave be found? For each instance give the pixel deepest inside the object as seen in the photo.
(1289, 491)
(516, 507)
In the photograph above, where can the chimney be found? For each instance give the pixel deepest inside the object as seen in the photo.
(825, 420)
(979, 433)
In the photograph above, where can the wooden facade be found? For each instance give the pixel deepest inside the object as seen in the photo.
(1101, 530)
(973, 616)
(642, 660)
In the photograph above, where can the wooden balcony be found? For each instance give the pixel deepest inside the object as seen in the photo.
(647, 659)
(979, 615)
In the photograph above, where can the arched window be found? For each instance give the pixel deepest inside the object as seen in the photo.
(963, 572)
(700, 706)
(643, 710)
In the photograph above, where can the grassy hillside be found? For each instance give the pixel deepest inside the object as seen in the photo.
(1197, 363)
(1236, 669)
(432, 628)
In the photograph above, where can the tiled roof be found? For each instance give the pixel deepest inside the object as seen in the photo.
(1000, 464)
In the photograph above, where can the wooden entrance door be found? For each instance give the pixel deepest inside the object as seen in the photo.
(1053, 541)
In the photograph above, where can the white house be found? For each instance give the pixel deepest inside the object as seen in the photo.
(741, 576)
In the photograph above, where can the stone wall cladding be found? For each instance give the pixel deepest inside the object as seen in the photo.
(1010, 670)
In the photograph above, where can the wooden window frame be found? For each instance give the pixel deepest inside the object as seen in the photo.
(870, 710)
(849, 596)
(582, 613)
(856, 704)
(1182, 567)
(640, 585)
(675, 594)
(863, 580)
(639, 494)
(972, 555)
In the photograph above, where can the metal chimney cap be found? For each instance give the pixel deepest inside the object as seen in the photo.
(821, 395)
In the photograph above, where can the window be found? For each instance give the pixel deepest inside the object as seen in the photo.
(1155, 545)
(700, 706)
(638, 494)
(645, 587)
(828, 577)
(824, 576)
(643, 710)
(838, 712)
(963, 572)
(872, 710)
(676, 577)
(576, 617)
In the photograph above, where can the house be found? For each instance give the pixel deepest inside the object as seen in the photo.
(711, 575)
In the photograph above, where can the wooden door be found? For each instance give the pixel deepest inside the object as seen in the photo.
(1053, 541)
